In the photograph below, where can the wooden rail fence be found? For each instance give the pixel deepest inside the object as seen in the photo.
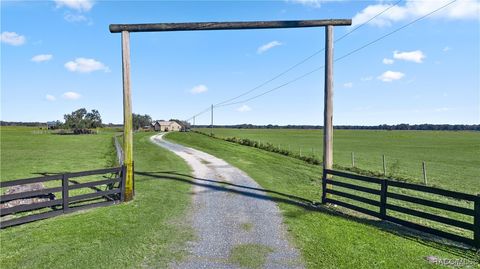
(385, 195)
(114, 192)
(118, 150)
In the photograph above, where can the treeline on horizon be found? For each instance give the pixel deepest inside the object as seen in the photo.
(43, 124)
(403, 126)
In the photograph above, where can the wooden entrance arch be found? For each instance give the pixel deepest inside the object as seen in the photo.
(125, 29)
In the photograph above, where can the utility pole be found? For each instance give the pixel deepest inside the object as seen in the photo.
(211, 125)
(328, 107)
(193, 122)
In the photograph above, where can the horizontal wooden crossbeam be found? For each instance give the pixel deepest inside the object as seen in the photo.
(195, 26)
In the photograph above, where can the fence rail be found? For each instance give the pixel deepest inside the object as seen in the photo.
(114, 192)
(118, 149)
(384, 194)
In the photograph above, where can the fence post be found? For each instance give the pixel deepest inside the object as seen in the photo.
(324, 186)
(383, 198)
(122, 186)
(476, 223)
(353, 159)
(65, 193)
(384, 167)
(424, 168)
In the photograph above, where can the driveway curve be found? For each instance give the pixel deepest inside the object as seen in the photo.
(237, 226)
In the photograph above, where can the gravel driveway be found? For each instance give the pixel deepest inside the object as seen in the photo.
(236, 226)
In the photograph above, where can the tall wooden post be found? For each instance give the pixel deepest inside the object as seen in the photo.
(127, 117)
(328, 104)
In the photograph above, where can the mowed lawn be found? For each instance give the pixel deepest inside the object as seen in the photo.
(452, 158)
(147, 232)
(325, 238)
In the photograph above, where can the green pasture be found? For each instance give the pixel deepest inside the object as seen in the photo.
(149, 231)
(30, 152)
(325, 237)
(452, 158)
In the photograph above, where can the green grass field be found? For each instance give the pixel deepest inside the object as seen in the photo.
(27, 153)
(326, 239)
(147, 232)
(151, 231)
(452, 158)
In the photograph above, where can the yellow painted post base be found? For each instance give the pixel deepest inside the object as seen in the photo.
(129, 182)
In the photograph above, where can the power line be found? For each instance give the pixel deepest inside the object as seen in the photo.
(371, 19)
(343, 56)
(394, 31)
(275, 88)
(307, 58)
(272, 79)
(295, 65)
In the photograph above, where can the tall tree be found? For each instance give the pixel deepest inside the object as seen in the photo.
(80, 120)
(94, 120)
(140, 121)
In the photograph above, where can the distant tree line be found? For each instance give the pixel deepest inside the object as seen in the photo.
(93, 119)
(403, 126)
(20, 123)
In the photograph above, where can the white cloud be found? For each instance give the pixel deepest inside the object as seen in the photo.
(74, 17)
(312, 3)
(447, 48)
(416, 56)
(348, 85)
(388, 61)
(12, 38)
(78, 5)
(268, 46)
(50, 97)
(366, 78)
(199, 89)
(84, 65)
(71, 95)
(244, 108)
(389, 76)
(461, 9)
(309, 3)
(42, 58)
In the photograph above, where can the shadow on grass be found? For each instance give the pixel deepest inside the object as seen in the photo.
(312, 206)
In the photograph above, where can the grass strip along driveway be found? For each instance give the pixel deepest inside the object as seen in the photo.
(326, 239)
(147, 232)
(451, 157)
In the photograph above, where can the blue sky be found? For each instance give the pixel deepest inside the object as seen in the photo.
(58, 56)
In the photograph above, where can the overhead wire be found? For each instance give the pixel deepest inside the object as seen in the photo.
(343, 56)
(228, 103)
(306, 58)
(293, 66)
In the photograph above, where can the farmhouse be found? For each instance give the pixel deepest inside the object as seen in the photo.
(167, 126)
